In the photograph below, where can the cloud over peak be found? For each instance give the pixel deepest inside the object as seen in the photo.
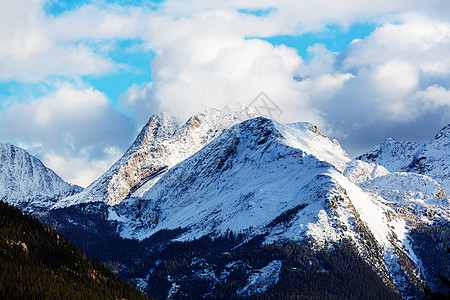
(205, 54)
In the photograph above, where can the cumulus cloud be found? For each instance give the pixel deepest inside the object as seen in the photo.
(208, 54)
(138, 103)
(399, 77)
(73, 122)
(81, 169)
(203, 59)
(420, 40)
(230, 71)
(35, 46)
(435, 97)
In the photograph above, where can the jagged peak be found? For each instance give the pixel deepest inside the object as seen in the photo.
(36, 161)
(5, 145)
(160, 125)
(390, 140)
(26, 182)
(228, 112)
(260, 128)
(443, 133)
(303, 136)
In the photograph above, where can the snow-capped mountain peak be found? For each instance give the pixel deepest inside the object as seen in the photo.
(431, 158)
(443, 133)
(248, 175)
(25, 181)
(393, 155)
(308, 137)
(162, 143)
(227, 171)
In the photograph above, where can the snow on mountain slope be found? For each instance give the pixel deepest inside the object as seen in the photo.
(415, 200)
(432, 158)
(246, 177)
(307, 137)
(418, 197)
(261, 177)
(402, 185)
(359, 171)
(261, 280)
(413, 194)
(393, 155)
(339, 210)
(26, 183)
(162, 143)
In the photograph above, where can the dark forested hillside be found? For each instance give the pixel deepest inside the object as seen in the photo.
(432, 245)
(222, 267)
(37, 263)
(198, 266)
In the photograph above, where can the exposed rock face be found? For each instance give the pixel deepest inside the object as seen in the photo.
(162, 143)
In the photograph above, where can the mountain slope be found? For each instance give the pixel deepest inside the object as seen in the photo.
(431, 158)
(393, 155)
(26, 183)
(281, 181)
(246, 188)
(420, 202)
(233, 182)
(434, 159)
(162, 143)
(36, 263)
(269, 184)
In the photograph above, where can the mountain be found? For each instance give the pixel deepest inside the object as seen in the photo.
(249, 209)
(162, 143)
(431, 158)
(26, 183)
(37, 263)
(394, 155)
(232, 182)
(434, 159)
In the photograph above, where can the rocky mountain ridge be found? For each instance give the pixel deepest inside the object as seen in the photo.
(431, 158)
(162, 143)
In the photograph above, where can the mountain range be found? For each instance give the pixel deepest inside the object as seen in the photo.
(431, 158)
(272, 202)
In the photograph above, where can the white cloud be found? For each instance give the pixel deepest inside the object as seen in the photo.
(418, 40)
(398, 87)
(82, 169)
(138, 103)
(75, 122)
(394, 63)
(35, 45)
(33, 49)
(190, 77)
(208, 55)
(396, 78)
(434, 97)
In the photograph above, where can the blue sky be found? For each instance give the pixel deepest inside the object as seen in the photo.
(78, 79)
